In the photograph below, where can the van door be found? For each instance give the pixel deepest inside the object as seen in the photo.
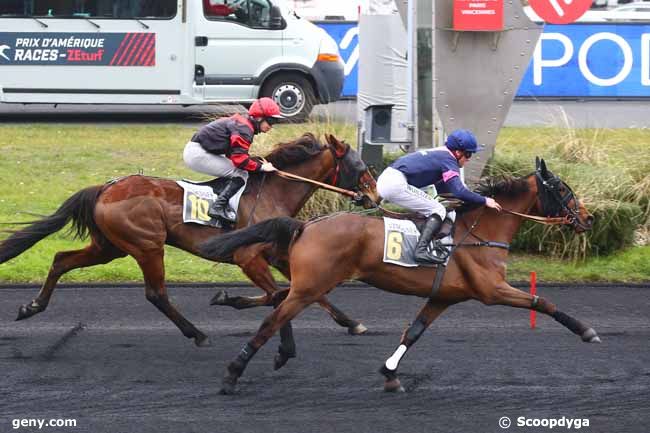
(234, 44)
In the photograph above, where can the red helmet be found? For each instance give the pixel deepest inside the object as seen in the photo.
(265, 107)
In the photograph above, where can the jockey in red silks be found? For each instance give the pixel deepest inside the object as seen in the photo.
(221, 147)
(401, 182)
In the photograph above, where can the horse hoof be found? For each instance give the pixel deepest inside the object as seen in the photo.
(358, 329)
(393, 386)
(220, 298)
(279, 361)
(590, 336)
(202, 341)
(228, 386)
(227, 390)
(26, 311)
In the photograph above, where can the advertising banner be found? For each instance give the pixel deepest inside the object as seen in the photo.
(79, 49)
(590, 60)
(560, 11)
(573, 61)
(478, 15)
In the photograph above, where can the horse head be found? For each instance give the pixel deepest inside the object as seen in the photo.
(556, 199)
(352, 173)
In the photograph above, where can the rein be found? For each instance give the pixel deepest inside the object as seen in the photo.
(565, 220)
(327, 186)
(541, 220)
(295, 177)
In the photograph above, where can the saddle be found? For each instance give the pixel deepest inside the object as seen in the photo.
(217, 184)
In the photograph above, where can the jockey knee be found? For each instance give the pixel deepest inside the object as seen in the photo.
(439, 210)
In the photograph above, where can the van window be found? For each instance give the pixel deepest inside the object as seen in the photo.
(120, 9)
(252, 13)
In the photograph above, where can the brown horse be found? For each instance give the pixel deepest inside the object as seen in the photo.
(138, 215)
(324, 253)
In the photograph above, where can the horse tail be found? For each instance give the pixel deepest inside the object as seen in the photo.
(79, 208)
(279, 231)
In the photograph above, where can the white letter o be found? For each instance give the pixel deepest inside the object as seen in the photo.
(627, 55)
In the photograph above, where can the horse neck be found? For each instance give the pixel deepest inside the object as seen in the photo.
(501, 226)
(283, 197)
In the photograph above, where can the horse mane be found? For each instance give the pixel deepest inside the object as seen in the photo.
(502, 185)
(294, 152)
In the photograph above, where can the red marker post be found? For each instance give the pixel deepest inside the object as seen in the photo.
(533, 292)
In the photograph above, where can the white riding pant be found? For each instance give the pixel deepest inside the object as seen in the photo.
(198, 159)
(392, 186)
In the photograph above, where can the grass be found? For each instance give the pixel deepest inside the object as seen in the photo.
(42, 165)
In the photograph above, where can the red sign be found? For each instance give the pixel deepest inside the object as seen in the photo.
(560, 11)
(478, 15)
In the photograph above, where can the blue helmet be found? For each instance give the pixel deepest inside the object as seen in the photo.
(462, 139)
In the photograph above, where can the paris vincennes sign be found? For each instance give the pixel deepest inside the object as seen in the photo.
(478, 15)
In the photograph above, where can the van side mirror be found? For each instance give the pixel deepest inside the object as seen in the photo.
(276, 17)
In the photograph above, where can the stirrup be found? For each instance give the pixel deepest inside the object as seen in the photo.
(222, 212)
(436, 254)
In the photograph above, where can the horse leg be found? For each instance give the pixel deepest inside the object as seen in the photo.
(256, 267)
(431, 310)
(65, 261)
(354, 327)
(153, 269)
(508, 295)
(287, 310)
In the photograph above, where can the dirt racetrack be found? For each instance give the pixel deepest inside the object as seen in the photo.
(111, 361)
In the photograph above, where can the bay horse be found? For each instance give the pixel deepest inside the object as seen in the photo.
(328, 251)
(137, 215)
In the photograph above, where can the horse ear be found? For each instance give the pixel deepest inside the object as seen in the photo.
(543, 169)
(537, 163)
(339, 145)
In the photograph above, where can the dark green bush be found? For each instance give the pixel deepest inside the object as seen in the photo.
(614, 226)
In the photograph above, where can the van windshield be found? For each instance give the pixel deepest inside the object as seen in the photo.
(116, 9)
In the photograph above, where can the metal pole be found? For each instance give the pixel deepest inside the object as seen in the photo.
(424, 11)
(410, 57)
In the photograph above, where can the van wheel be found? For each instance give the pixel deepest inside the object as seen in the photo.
(293, 93)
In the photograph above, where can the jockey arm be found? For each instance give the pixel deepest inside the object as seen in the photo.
(458, 189)
(239, 154)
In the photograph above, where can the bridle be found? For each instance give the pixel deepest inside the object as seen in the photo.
(554, 202)
(338, 159)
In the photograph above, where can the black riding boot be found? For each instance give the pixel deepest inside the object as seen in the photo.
(422, 252)
(219, 208)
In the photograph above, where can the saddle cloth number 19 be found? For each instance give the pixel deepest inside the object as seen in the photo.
(197, 208)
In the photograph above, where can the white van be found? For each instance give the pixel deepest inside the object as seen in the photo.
(181, 52)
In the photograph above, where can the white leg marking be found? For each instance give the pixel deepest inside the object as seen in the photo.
(393, 361)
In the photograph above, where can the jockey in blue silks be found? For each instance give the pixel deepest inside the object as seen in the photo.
(401, 182)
